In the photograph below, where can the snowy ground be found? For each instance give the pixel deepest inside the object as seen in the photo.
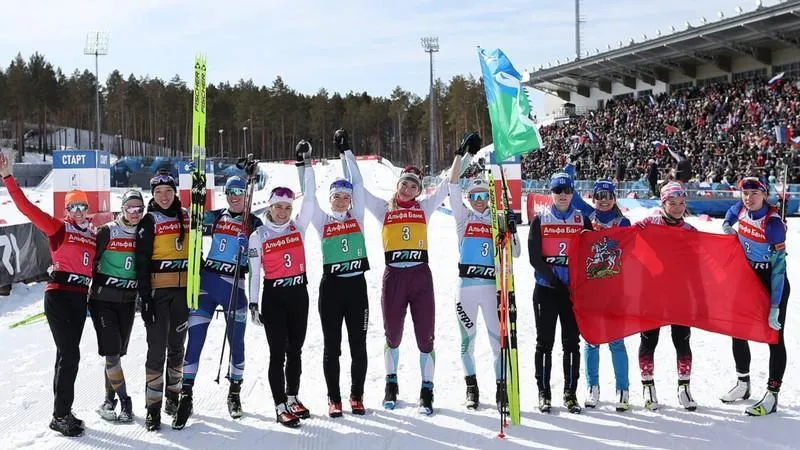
(26, 394)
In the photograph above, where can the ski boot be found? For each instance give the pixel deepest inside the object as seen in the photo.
(767, 405)
(501, 397)
(571, 402)
(74, 420)
(125, 410)
(649, 394)
(357, 405)
(296, 407)
(234, 399)
(685, 396)
(334, 408)
(171, 404)
(185, 409)
(741, 391)
(390, 398)
(426, 398)
(106, 410)
(544, 402)
(472, 392)
(66, 426)
(285, 417)
(622, 401)
(592, 397)
(153, 419)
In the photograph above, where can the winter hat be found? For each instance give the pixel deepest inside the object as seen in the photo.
(132, 195)
(281, 194)
(477, 184)
(340, 185)
(413, 174)
(672, 189)
(76, 196)
(235, 182)
(561, 179)
(604, 185)
(162, 178)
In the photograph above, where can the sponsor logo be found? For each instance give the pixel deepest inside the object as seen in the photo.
(558, 230)
(406, 255)
(221, 267)
(289, 281)
(404, 215)
(336, 228)
(80, 280)
(463, 317)
(173, 265)
(347, 266)
(478, 230)
(480, 271)
(606, 259)
(122, 244)
(121, 283)
(556, 260)
(277, 244)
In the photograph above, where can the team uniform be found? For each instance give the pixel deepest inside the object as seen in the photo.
(407, 283)
(680, 333)
(216, 283)
(591, 353)
(112, 303)
(551, 234)
(72, 250)
(762, 234)
(343, 288)
(161, 271)
(278, 252)
(476, 286)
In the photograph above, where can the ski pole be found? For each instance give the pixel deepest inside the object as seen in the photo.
(234, 297)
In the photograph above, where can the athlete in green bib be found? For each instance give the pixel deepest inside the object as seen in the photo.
(343, 289)
(112, 301)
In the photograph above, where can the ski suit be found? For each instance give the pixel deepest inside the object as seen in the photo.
(762, 234)
(279, 251)
(161, 270)
(343, 289)
(591, 353)
(476, 281)
(680, 333)
(407, 280)
(112, 299)
(72, 250)
(551, 233)
(216, 284)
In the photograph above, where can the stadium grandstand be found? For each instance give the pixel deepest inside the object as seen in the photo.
(721, 94)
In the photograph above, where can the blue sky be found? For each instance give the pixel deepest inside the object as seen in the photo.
(345, 45)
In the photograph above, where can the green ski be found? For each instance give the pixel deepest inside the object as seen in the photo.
(198, 193)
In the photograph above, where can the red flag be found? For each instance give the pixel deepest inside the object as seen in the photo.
(671, 129)
(627, 280)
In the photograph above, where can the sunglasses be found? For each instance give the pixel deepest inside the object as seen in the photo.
(235, 191)
(282, 192)
(77, 207)
(750, 183)
(413, 170)
(603, 195)
(475, 196)
(134, 209)
(161, 179)
(561, 190)
(342, 184)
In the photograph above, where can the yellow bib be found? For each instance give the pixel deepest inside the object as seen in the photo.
(405, 236)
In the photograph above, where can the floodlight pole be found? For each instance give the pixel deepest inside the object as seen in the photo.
(431, 46)
(96, 44)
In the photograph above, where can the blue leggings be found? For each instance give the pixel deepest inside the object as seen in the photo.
(216, 290)
(619, 358)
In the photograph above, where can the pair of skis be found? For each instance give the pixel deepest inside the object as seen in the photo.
(198, 192)
(506, 304)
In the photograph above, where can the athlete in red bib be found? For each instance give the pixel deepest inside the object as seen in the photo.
(72, 247)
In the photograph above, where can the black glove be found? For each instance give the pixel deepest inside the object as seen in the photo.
(341, 140)
(248, 164)
(576, 152)
(511, 222)
(302, 150)
(470, 143)
(148, 311)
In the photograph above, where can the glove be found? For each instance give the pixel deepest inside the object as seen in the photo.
(727, 228)
(576, 152)
(191, 166)
(511, 222)
(250, 168)
(774, 323)
(255, 315)
(148, 311)
(302, 150)
(470, 143)
(244, 243)
(198, 180)
(341, 141)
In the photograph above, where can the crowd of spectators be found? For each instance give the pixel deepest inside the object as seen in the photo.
(726, 131)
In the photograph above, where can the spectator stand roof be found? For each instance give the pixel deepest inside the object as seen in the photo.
(756, 34)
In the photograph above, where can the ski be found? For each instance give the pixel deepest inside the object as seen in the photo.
(502, 306)
(511, 305)
(198, 193)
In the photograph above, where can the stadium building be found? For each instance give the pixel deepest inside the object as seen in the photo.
(758, 44)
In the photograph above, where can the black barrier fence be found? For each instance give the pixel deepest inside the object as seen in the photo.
(24, 255)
